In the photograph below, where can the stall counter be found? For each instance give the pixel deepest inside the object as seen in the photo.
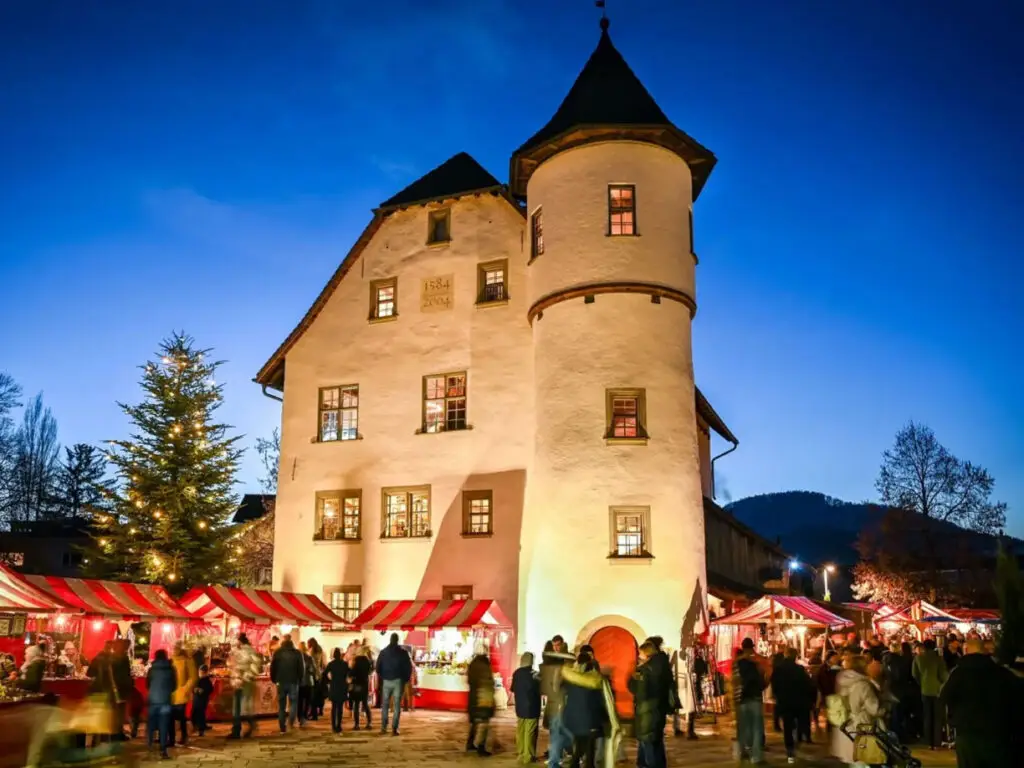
(73, 690)
(450, 691)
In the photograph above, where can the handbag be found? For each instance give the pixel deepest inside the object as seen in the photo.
(866, 749)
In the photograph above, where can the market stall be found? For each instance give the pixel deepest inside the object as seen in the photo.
(261, 614)
(777, 621)
(18, 601)
(93, 611)
(444, 636)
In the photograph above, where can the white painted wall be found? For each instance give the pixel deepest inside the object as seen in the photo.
(580, 350)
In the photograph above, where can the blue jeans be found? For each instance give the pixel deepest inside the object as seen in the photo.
(391, 692)
(159, 721)
(650, 753)
(241, 707)
(750, 728)
(288, 695)
(559, 741)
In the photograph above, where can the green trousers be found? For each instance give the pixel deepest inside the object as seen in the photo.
(526, 739)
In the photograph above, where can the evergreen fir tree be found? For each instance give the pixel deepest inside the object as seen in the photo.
(81, 481)
(174, 497)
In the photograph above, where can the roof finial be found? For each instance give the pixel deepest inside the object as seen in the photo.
(604, 14)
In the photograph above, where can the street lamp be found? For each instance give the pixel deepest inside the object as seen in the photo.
(825, 572)
(794, 565)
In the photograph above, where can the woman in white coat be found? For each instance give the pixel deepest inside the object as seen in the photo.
(862, 703)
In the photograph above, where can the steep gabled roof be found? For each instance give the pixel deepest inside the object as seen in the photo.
(456, 176)
(607, 102)
(712, 419)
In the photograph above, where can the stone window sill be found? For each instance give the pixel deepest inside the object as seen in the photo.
(422, 431)
(317, 441)
(439, 243)
(468, 535)
(645, 559)
(317, 541)
(405, 539)
(495, 303)
(626, 440)
(388, 319)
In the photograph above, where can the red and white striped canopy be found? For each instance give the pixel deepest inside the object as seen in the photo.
(16, 596)
(786, 609)
(431, 614)
(109, 599)
(258, 606)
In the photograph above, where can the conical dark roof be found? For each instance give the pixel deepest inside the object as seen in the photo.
(454, 177)
(607, 92)
(607, 102)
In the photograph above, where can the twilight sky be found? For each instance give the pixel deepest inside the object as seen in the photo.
(205, 166)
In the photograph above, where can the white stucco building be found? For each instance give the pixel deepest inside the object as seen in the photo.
(494, 394)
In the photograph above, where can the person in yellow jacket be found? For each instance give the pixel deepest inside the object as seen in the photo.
(187, 675)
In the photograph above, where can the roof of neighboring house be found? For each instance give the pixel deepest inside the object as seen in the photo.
(253, 507)
(710, 507)
(713, 420)
(456, 176)
(607, 94)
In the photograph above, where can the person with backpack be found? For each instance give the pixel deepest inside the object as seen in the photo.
(748, 691)
(853, 710)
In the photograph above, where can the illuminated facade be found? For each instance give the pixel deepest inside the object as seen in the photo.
(493, 397)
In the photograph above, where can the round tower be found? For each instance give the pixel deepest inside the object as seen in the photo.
(613, 529)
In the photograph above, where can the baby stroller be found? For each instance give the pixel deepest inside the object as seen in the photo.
(79, 736)
(878, 746)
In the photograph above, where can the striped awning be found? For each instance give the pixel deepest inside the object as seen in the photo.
(786, 609)
(431, 614)
(110, 599)
(258, 606)
(17, 596)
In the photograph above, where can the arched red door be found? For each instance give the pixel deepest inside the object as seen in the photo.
(615, 648)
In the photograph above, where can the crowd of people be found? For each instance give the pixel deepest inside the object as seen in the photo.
(878, 699)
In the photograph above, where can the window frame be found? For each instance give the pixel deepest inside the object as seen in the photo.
(468, 497)
(435, 215)
(616, 393)
(341, 496)
(481, 282)
(465, 396)
(408, 490)
(340, 410)
(375, 286)
(631, 210)
(343, 589)
(260, 573)
(644, 512)
(537, 233)
(449, 592)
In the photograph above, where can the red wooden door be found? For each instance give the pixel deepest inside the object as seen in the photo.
(616, 648)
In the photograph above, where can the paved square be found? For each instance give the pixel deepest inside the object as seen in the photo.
(434, 739)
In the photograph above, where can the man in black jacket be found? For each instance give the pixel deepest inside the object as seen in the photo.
(395, 669)
(984, 702)
(792, 689)
(286, 670)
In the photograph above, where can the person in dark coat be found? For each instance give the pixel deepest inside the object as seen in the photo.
(394, 666)
(649, 717)
(550, 672)
(286, 672)
(584, 714)
(359, 691)
(662, 678)
(526, 691)
(201, 699)
(898, 671)
(336, 675)
(481, 703)
(825, 680)
(984, 702)
(161, 681)
(792, 690)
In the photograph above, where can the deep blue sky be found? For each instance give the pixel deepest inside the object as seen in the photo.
(205, 165)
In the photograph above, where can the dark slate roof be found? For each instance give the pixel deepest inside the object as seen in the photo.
(454, 177)
(605, 93)
(253, 507)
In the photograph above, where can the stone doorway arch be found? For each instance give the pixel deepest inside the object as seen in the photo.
(615, 647)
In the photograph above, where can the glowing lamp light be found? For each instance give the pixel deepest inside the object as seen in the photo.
(801, 630)
(172, 576)
(286, 629)
(60, 621)
(830, 569)
(963, 627)
(789, 633)
(103, 542)
(97, 625)
(139, 504)
(166, 628)
(202, 525)
(794, 565)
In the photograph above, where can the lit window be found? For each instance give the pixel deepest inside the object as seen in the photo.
(492, 282)
(15, 559)
(444, 402)
(439, 226)
(477, 514)
(345, 601)
(457, 593)
(266, 576)
(626, 411)
(536, 234)
(630, 526)
(621, 209)
(339, 413)
(338, 516)
(406, 513)
(384, 299)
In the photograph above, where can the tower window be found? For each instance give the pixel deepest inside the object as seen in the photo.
(492, 282)
(339, 413)
(444, 402)
(406, 513)
(345, 601)
(626, 415)
(477, 517)
(537, 233)
(630, 531)
(621, 209)
(338, 516)
(384, 299)
(439, 226)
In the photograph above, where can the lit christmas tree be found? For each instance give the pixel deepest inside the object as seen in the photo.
(174, 494)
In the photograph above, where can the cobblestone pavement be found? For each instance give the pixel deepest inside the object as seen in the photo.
(434, 739)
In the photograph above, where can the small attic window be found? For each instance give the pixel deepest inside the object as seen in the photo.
(439, 226)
